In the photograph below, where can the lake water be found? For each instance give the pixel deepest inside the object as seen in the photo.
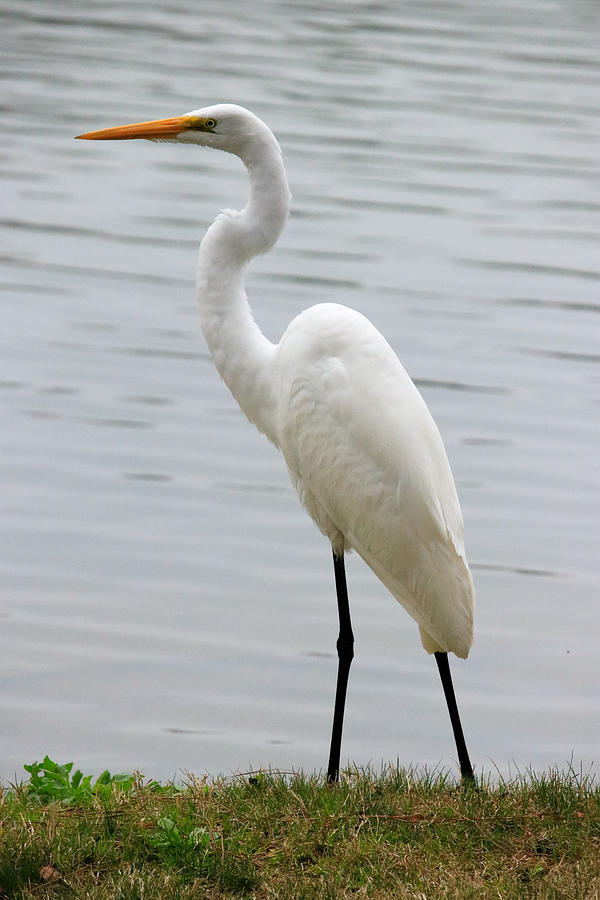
(166, 603)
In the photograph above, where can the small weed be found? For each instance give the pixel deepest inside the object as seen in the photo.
(50, 781)
(175, 843)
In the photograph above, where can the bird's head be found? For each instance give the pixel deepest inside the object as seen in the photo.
(224, 127)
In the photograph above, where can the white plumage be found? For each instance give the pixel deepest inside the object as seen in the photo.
(362, 449)
(370, 468)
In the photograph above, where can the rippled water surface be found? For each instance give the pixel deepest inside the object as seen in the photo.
(166, 604)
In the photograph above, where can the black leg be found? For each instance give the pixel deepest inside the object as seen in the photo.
(466, 769)
(345, 649)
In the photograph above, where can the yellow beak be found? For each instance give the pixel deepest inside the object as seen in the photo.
(159, 128)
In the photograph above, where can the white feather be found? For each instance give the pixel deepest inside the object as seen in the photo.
(370, 467)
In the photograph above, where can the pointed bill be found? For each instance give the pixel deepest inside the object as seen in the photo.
(158, 128)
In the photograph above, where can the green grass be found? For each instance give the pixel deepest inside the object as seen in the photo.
(392, 835)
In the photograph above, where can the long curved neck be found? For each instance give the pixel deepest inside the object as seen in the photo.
(242, 354)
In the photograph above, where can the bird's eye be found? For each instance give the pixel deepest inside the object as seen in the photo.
(210, 123)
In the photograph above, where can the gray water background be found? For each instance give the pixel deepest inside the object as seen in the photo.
(166, 604)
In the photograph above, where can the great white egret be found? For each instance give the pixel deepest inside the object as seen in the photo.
(362, 449)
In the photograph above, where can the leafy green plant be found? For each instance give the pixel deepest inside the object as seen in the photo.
(51, 781)
(176, 842)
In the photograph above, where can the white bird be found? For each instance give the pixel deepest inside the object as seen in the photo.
(362, 449)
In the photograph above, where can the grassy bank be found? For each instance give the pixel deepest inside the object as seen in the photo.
(394, 835)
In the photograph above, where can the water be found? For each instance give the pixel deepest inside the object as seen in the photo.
(166, 604)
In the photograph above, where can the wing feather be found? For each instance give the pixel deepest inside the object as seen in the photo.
(368, 462)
